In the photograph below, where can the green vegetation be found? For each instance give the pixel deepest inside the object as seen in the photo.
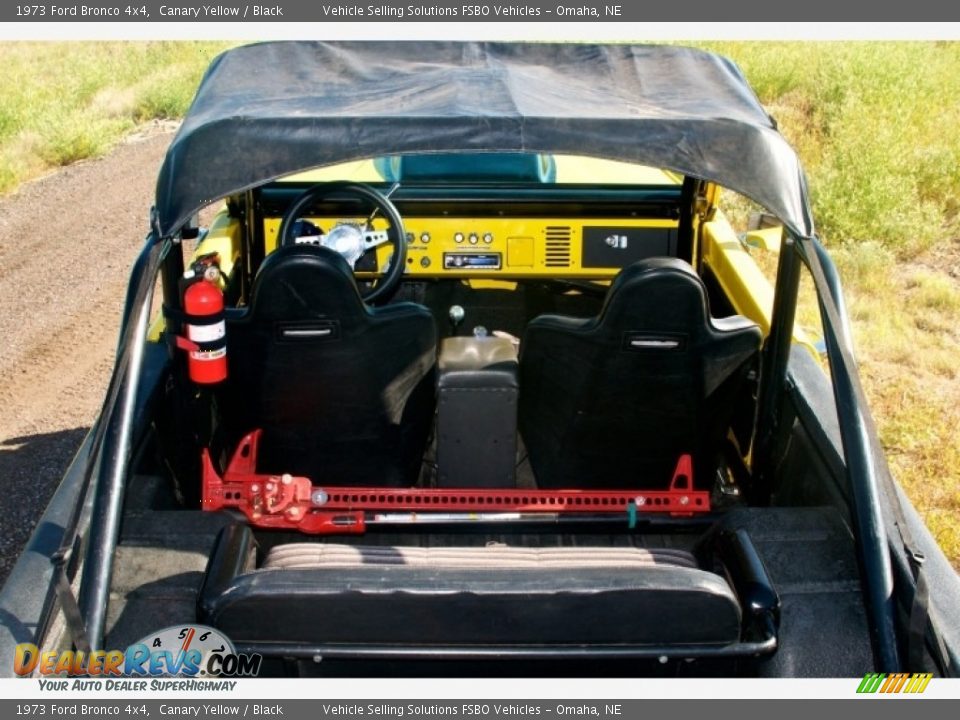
(63, 102)
(876, 124)
(877, 127)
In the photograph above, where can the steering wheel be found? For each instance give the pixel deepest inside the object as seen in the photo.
(351, 240)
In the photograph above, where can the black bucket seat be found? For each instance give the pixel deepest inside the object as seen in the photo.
(614, 400)
(342, 391)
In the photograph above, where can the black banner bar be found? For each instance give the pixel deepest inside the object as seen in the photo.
(77, 708)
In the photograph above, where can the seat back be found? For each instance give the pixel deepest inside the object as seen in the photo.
(343, 392)
(614, 400)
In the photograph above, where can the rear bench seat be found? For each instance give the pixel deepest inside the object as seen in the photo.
(321, 596)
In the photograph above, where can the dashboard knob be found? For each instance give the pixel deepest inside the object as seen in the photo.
(425, 237)
(458, 237)
(473, 238)
(488, 238)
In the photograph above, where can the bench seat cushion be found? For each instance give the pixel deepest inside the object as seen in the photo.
(330, 594)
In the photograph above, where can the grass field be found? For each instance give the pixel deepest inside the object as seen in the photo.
(63, 102)
(877, 127)
(876, 124)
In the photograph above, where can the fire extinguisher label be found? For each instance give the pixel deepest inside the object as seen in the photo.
(207, 333)
(208, 355)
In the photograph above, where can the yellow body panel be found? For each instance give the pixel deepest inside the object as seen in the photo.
(570, 169)
(574, 169)
(740, 278)
(224, 238)
(768, 239)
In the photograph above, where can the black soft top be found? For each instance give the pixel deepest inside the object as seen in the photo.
(267, 110)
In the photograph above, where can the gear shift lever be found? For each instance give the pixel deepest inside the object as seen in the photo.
(456, 315)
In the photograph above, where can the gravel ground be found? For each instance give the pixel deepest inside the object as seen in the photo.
(67, 242)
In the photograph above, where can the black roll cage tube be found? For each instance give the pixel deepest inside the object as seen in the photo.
(857, 433)
(859, 439)
(112, 453)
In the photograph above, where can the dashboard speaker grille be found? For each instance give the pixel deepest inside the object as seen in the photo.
(558, 246)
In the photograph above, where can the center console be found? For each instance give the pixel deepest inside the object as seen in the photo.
(477, 389)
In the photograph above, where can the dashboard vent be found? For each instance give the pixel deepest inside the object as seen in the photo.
(558, 246)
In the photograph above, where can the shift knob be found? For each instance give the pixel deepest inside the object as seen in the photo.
(456, 315)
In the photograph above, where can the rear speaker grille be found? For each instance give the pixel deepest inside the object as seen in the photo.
(558, 247)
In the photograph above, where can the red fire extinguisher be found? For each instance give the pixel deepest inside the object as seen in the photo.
(206, 341)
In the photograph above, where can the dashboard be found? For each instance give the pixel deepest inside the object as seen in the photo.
(519, 248)
(509, 234)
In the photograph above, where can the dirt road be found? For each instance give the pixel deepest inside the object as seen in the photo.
(67, 243)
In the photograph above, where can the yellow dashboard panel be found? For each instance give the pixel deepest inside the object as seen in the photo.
(517, 248)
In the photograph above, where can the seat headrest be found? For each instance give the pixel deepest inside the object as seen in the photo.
(306, 281)
(664, 293)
